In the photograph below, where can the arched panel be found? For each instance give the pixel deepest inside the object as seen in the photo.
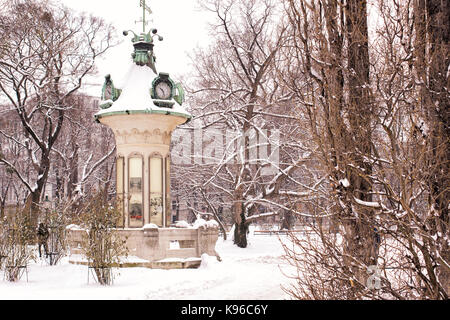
(156, 189)
(120, 189)
(135, 191)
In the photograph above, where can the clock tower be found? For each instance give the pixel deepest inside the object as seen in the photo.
(143, 114)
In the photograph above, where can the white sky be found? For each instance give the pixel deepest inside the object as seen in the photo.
(182, 24)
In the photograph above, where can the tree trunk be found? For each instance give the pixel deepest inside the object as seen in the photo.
(360, 233)
(240, 223)
(437, 109)
(287, 221)
(240, 232)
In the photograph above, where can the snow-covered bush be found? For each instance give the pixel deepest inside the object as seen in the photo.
(102, 245)
(55, 221)
(16, 245)
(3, 246)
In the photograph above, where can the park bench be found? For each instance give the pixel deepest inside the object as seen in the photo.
(276, 232)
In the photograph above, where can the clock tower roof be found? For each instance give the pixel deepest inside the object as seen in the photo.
(144, 90)
(138, 95)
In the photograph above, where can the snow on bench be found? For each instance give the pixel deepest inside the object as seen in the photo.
(278, 232)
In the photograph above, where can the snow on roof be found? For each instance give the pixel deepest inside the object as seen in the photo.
(136, 96)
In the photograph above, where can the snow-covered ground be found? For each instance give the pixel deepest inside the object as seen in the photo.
(252, 273)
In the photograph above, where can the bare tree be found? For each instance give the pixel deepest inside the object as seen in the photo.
(15, 241)
(12, 192)
(239, 109)
(331, 41)
(372, 136)
(102, 245)
(432, 62)
(46, 52)
(83, 158)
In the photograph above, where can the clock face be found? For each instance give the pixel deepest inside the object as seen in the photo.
(163, 91)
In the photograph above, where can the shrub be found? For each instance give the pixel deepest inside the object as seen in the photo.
(102, 246)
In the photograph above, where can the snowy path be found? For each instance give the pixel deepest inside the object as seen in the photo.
(252, 273)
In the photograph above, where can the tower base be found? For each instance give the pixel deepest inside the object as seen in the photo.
(158, 248)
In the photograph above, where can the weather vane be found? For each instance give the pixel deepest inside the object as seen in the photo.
(144, 8)
(143, 43)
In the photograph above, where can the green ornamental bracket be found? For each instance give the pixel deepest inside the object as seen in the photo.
(109, 92)
(143, 48)
(141, 57)
(179, 94)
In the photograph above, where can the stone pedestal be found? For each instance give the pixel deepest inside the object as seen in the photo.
(162, 248)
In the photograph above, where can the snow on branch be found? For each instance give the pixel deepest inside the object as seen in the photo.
(87, 173)
(367, 203)
(11, 166)
(260, 216)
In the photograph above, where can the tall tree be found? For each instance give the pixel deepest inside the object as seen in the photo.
(236, 96)
(46, 52)
(369, 115)
(432, 62)
(332, 43)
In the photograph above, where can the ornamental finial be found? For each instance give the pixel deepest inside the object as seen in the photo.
(144, 8)
(143, 43)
